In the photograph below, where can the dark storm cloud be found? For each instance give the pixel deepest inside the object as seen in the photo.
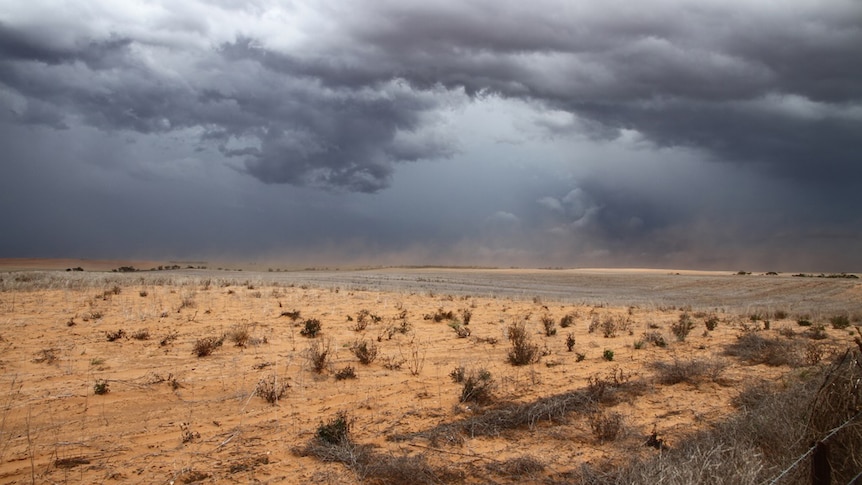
(341, 109)
(775, 85)
(287, 127)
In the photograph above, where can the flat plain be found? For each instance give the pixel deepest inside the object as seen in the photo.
(393, 375)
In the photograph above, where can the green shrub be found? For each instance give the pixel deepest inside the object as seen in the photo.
(608, 355)
(311, 328)
(840, 321)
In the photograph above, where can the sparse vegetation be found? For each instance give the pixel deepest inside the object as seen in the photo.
(477, 387)
(606, 426)
(346, 372)
(570, 342)
(271, 388)
(839, 322)
(115, 335)
(207, 345)
(366, 352)
(691, 371)
(311, 328)
(608, 355)
(682, 327)
(239, 335)
(523, 351)
(101, 387)
(318, 354)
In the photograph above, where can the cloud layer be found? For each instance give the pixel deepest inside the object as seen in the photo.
(344, 96)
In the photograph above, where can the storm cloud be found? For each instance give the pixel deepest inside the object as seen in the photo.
(666, 132)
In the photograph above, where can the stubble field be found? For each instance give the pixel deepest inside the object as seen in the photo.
(469, 376)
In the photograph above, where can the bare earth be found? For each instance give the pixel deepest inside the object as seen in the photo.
(170, 416)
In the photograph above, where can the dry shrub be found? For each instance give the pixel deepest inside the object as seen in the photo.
(239, 335)
(839, 321)
(754, 349)
(46, 356)
(692, 371)
(606, 426)
(207, 345)
(525, 467)
(364, 351)
(682, 327)
(775, 426)
(549, 325)
(478, 387)
(311, 328)
(415, 358)
(613, 326)
(813, 353)
(654, 337)
(271, 389)
(115, 335)
(318, 355)
(348, 372)
(711, 322)
(523, 351)
(568, 320)
(142, 334)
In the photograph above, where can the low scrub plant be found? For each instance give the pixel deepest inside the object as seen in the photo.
(477, 387)
(207, 345)
(365, 351)
(549, 325)
(271, 388)
(682, 327)
(523, 351)
(311, 328)
(318, 354)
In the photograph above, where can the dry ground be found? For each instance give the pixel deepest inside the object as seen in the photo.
(169, 416)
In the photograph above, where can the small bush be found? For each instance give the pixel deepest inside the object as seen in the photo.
(816, 332)
(466, 316)
(347, 372)
(143, 293)
(655, 338)
(690, 371)
(239, 335)
(612, 326)
(803, 322)
(271, 389)
(311, 328)
(364, 351)
(550, 326)
(523, 352)
(116, 335)
(206, 346)
(579, 357)
(779, 314)
(682, 327)
(755, 349)
(568, 320)
(608, 355)
(606, 426)
(101, 387)
(318, 356)
(570, 341)
(839, 321)
(142, 334)
(460, 330)
(478, 387)
(336, 431)
(457, 374)
(711, 322)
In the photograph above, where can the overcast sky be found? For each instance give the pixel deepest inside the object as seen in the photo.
(713, 134)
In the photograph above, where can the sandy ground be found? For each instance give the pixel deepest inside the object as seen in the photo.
(173, 417)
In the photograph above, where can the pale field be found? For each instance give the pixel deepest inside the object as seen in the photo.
(173, 417)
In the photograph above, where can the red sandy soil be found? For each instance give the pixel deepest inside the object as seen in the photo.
(173, 417)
